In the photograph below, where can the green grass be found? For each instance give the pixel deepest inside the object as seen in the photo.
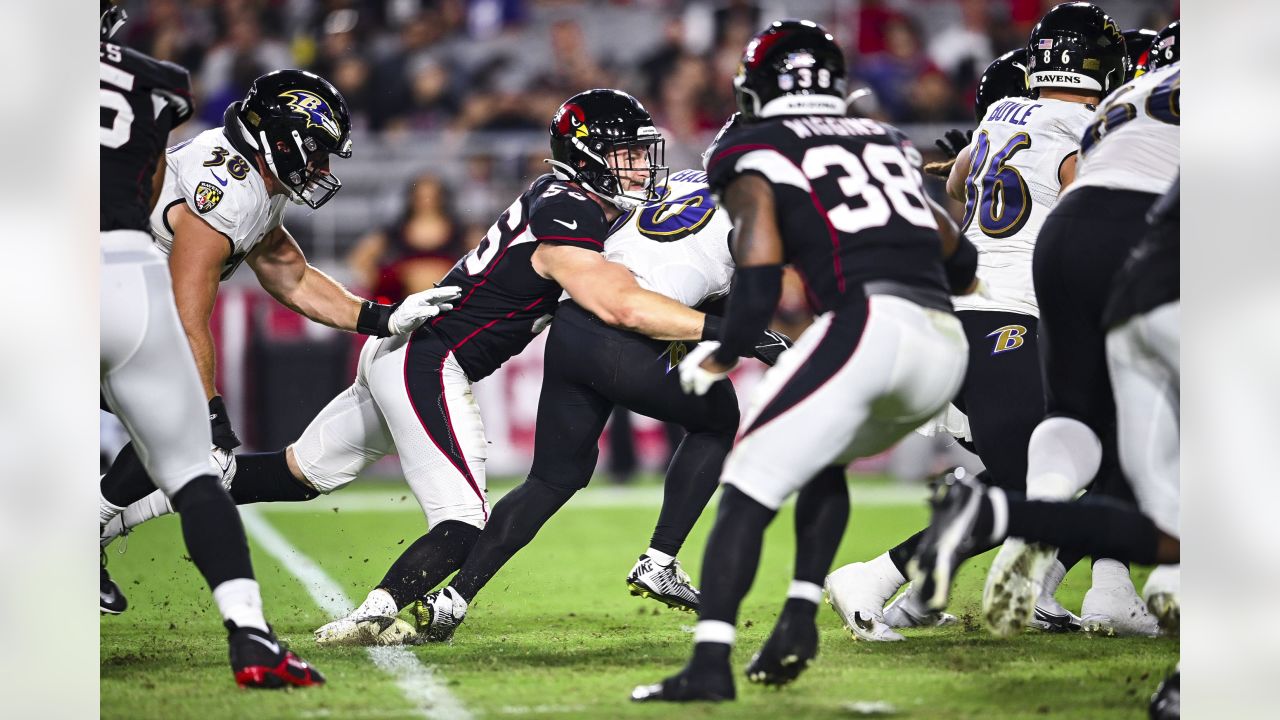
(556, 635)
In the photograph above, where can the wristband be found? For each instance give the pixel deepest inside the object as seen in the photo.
(374, 318)
(711, 325)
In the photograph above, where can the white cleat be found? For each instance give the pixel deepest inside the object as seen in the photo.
(1116, 612)
(1050, 615)
(906, 610)
(373, 623)
(857, 592)
(1161, 594)
(1014, 584)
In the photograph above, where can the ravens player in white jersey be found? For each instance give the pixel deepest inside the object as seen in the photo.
(1129, 156)
(679, 248)
(841, 199)
(148, 375)
(222, 203)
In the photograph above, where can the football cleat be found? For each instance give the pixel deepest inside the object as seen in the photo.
(786, 654)
(1116, 612)
(907, 611)
(857, 594)
(687, 686)
(439, 614)
(1014, 585)
(1050, 616)
(668, 584)
(357, 628)
(110, 600)
(259, 660)
(947, 540)
(1166, 703)
(1161, 594)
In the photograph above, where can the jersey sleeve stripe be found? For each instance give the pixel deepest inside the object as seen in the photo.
(737, 149)
(775, 167)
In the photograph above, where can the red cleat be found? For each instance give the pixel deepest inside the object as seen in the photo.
(260, 661)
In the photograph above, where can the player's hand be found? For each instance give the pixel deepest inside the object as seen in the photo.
(409, 314)
(542, 323)
(770, 346)
(220, 425)
(699, 371)
(953, 141)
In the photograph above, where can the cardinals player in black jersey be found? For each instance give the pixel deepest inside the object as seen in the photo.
(144, 356)
(841, 200)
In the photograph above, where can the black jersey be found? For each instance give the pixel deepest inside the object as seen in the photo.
(142, 99)
(848, 196)
(502, 295)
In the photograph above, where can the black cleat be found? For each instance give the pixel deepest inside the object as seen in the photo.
(259, 660)
(110, 600)
(686, 686)
(787, 653)
(948, 539)
(1166, 703)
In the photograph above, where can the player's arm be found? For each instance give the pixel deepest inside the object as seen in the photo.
(959, 254)
(1067, 172)
(609, 291)
(195, 263)
(959, 172)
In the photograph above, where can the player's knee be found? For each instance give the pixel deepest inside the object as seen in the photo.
(1063, 457)
(561, 484)
(473, 515)
(196, 492)
(317, 476)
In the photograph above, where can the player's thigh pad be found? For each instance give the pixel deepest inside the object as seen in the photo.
(148, 373)
(347, 436)
(856, 381)
(1147, 413)
(426, 400)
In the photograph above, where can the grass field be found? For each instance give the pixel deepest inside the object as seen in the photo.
(556, 635)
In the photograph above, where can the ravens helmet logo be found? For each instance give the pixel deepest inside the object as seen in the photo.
(314, 109)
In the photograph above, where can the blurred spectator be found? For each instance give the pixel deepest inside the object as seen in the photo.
(246, 52)
(964, 50)
(415, 252)
(870, 23)
(893, 74)
(711, 25)
(657, 63)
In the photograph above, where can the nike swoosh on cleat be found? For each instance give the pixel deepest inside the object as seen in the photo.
(273, 647)
(573, 226)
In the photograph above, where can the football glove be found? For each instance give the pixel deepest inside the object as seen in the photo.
(407, 315)
(694, 379)
(220, 425)
(770, 346)
(953, 141)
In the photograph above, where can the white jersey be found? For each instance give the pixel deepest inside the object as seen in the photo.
(679, 248)
(1132, 141)
(220, 186)
(1016, 154)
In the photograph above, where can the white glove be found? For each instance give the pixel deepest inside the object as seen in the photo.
(693, 378)
(421, 307)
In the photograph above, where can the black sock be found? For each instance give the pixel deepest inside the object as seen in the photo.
(710, 656)
(1069, 557)
(265, 477)
(822, 512)
(732, 555)
(515, 520)
(126, 481)
(692, 478)
(429, 560)
(901, 553)
(1097, 526)
(213, 532)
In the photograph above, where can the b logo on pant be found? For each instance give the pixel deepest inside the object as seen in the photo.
(1009, 337)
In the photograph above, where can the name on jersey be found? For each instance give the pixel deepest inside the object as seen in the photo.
(1012, 112)
(805, 127)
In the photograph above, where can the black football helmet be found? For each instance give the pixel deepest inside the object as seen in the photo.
(1006, 76)
(110, 18)
(1164, 48)
(1136, 44)
(593, 138)
(793, 67)
(1077, 46)
(296, 120)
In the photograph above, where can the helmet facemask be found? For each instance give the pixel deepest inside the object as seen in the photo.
(603, 172)
(302, 166)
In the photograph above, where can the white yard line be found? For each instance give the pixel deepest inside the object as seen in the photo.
(421, 685)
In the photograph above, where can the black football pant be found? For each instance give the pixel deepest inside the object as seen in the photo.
(589, 368)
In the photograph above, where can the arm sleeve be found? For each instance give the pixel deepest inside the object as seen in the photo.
(568, 217)
(751, 303)
(962, 267)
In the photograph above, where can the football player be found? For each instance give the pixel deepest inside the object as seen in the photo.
(144, 356)
(1081, 249)
(680, 249)
(221, 204)
(842, 200)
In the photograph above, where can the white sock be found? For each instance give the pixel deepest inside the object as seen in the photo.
(999, 513)
(660, 557)
(240, 601)
(805, 591)
(106, 510)
(378, 602)
(1111, 574)
(715, 631)
(149, 507)
(888, 574)
(1062, 458)
(1053, 578)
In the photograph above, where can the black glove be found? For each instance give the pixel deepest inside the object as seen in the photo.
(220, 423)
(954, 141)
(770, 345)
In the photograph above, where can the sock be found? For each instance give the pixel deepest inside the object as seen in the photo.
(1053, 578)
(805, 591)
(901, 553)
(712, 643)
(126, 481)
(106, 510)
(378, 602)
(514, 521)
(1098, 526)
(1062, 458)
(732, 555)
(692, 478)
(213, 532)
(428, 561)
(149, 507)
(1111, 574)
(265, 477)
(822, 512)
(240, 601)
(660, 557)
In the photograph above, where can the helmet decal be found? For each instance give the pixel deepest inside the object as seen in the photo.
(571, 119)
(314, 109)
